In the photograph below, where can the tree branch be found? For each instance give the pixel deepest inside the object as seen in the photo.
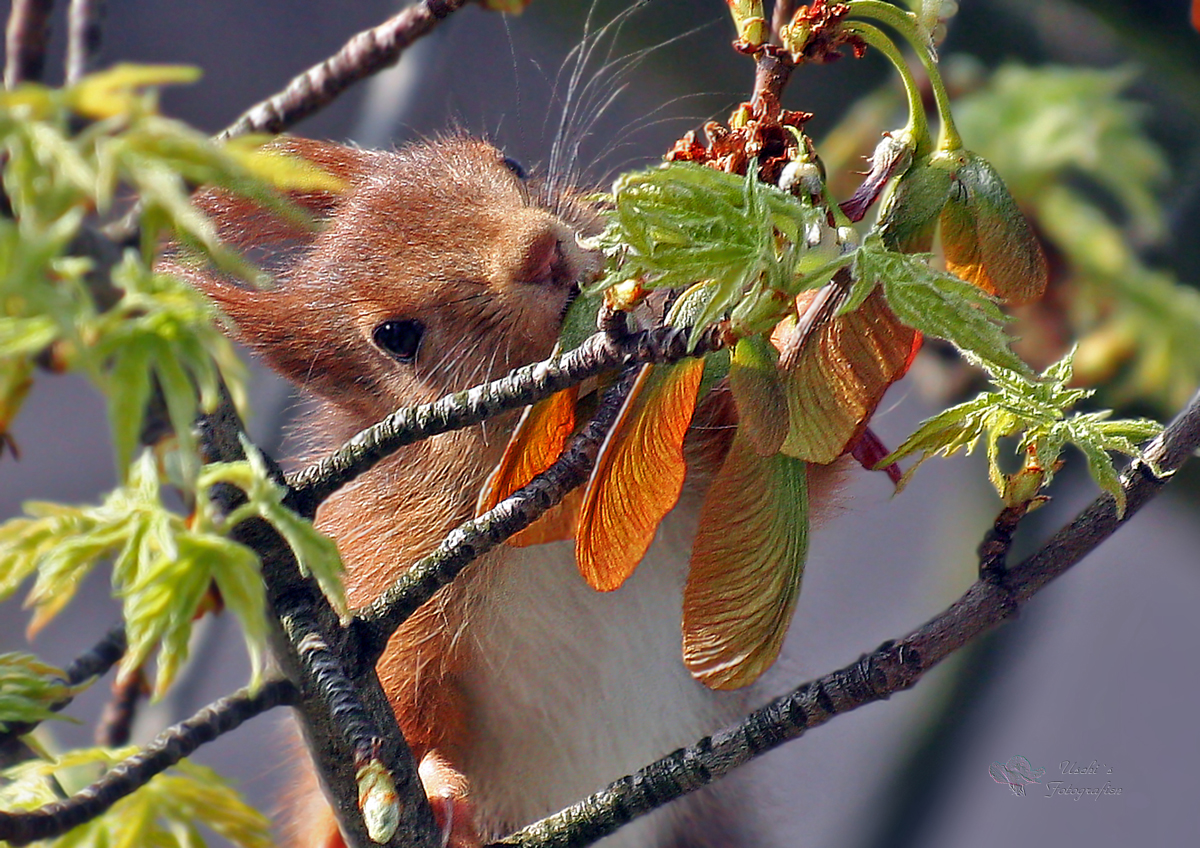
(83, 36)
(374, 624)
(599, 353)
(342, 708)
(893, 667)
(367, 53)
(168, 748)
(25, 41)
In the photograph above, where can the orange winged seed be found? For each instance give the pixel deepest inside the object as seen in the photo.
(638, 475)
(539, 438)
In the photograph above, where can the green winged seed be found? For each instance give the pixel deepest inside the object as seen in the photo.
(758, 392)
(986, 238)
(909, 217)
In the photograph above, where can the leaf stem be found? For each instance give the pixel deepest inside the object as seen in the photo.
(905, 23)
(918, 124)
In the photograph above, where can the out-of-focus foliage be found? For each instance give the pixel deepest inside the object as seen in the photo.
(28, 689)
(165, 813)
(163, 563)
(70, 155)
(76, 159)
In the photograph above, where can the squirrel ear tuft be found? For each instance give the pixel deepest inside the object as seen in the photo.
(266, 318)
(242, 223)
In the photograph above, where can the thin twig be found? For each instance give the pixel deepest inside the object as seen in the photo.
(598, 354)
(168, 748)
(374, 624)
(781, 16)
(365, 54)
(95, 662)
(98, 659)
(891, 668)
(25, 41)
(993, 550)
(116, 722)
(83, 37)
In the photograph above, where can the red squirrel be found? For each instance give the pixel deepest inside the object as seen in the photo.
(519, 688)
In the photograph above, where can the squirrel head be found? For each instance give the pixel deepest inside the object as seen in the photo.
(440, 267)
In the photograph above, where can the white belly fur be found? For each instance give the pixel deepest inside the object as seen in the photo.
(577, 688)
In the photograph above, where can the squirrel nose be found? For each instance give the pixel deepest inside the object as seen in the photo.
(545, 262)
(536, 249)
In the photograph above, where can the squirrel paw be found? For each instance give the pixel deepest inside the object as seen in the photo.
(447, 792)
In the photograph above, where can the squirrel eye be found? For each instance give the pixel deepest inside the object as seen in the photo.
(515, 166)
(400, 338)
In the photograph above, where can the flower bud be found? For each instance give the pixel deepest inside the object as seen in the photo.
(802, 178)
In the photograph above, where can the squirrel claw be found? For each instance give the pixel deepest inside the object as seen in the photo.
(447, 793)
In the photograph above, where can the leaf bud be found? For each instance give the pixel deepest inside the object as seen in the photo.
(892, 156)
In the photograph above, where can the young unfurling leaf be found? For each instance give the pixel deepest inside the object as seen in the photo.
(739, 242)
(162, 568)
(163, 564)
(1035, 409)
(164, 813)
(938, 304)
(119, 90)
(316, 554)
(28, 689)
(161, 330)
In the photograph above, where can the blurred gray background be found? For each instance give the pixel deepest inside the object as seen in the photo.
(1099, 667)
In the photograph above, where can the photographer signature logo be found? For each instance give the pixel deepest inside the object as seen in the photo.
(1016, 774)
